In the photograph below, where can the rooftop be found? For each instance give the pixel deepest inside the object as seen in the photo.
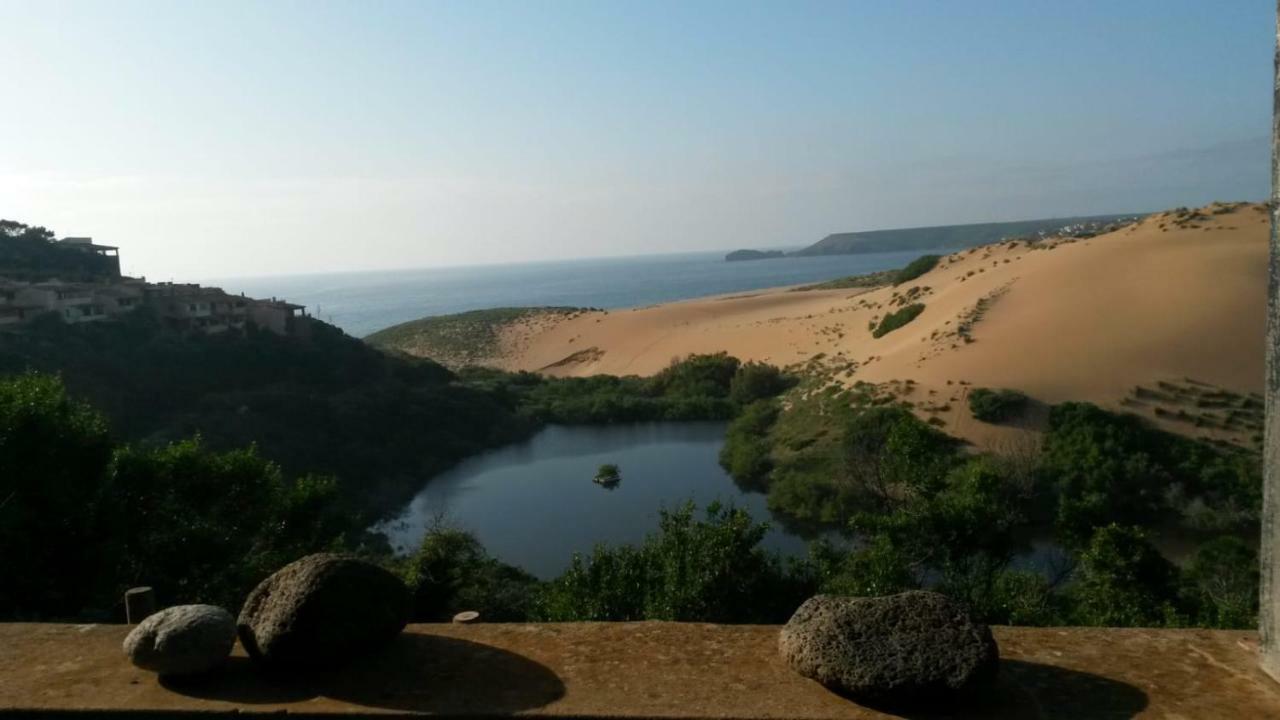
(639, 670)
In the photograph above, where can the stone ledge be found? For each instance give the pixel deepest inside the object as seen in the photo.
(635, 670)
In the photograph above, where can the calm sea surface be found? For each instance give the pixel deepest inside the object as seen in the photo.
(364, 302)
(534, 505)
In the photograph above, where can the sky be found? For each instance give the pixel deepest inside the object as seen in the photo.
(224, 139)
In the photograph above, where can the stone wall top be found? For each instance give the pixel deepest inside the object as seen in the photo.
(636, 670)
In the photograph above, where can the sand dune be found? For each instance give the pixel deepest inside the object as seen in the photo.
(1177, 298)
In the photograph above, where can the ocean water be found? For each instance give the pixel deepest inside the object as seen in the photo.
(364, 302)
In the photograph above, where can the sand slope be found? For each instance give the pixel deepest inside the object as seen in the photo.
(1178, 297)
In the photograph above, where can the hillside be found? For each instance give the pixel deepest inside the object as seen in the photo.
(328, 403)
(1162, 318)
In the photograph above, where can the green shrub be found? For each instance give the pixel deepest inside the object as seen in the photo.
(916, 268)
(757, 381)
(54, 453)
(994, 406)
(1113, 468)
(745, 453)
(1221, 583)
(81, 520)
(710, 570)
(897, 319)
(1124, 581)
(451, 572)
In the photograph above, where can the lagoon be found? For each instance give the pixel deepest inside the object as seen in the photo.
(534, 505)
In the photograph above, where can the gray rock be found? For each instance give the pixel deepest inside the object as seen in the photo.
(182, 640)
(912, 648)
(322, 610)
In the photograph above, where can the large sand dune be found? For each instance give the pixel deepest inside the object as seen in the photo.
(1177, 298)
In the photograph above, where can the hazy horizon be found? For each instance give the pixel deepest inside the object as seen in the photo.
(238, 140)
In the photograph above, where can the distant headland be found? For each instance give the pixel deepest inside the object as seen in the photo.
(945, 237)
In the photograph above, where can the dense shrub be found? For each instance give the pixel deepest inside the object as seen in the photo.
(81, 520)
(897, 319)
(916, 268)
(451, 572)
(1221, 584)
(1112, 468)
(757, 381)
(888, 452)
(699, 387)
(697, 376)
(710, 570)
(1124, 581)
(54, 454)
(745, 453)
(994, 406)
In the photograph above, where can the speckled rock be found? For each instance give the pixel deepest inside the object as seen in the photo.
(182, 640)
(911, 648)
(322, 610)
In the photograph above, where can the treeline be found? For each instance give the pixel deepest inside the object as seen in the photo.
(699, 387)
(1103, 487)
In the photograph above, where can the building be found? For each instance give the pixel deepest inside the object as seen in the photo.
(188, 306)
(72, 302)
(280, 317)
(109, 253)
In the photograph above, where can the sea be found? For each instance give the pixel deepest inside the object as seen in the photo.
(364, 302)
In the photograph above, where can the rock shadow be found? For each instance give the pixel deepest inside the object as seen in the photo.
(414, 673)
(241, 680)
(1033, 691)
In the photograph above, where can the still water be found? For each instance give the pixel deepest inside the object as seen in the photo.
(533, 504)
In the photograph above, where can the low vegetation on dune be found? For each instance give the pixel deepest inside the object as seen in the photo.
(462, 339)
(866, 280)
(897, 319)
(916, 268)
(996, 406)
(911, 271)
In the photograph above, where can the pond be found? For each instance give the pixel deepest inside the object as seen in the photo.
(534, 504)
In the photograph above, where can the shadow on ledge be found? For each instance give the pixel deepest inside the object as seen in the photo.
(1031, 691)
(414, 673)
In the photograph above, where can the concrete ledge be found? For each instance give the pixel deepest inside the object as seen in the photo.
(635, 670)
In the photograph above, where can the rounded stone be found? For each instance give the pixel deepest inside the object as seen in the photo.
(912, 648)
(322, 610)
(182, 640)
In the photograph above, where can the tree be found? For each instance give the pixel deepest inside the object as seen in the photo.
(756, 381)
(1222, 583)
(710, 570)
(1124, 581)
(203, 526)
(887, 450)
(451, 572)
(54, 453)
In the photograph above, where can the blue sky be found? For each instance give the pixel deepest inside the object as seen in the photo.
(222, 138)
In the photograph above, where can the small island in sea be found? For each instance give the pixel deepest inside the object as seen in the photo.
(737, 255)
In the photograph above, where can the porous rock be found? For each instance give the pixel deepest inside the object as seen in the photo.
(322, 610)
(911, 648)
(182, 640)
